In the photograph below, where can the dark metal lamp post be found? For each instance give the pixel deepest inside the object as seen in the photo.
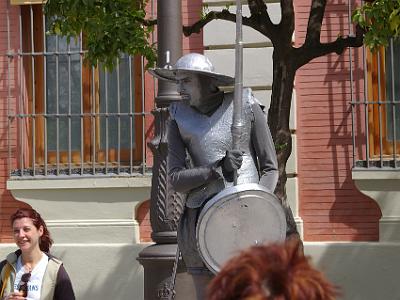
(165, 205)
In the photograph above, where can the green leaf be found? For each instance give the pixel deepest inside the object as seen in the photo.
(204, 11)
(57, 29)
(381, 21)
(110, 27)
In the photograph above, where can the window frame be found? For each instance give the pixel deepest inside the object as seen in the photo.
(35, 89)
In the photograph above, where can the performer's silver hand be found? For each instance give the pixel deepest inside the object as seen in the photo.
(232, 160)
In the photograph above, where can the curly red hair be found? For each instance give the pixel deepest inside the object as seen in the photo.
(45, 241)
(272, 272)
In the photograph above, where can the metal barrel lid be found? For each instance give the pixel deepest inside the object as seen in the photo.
(236, 218)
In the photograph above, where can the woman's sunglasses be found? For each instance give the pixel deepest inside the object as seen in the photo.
(23, 284)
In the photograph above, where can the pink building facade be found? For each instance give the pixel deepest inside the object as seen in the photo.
(343, 173)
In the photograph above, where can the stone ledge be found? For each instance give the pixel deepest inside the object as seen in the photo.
(81, 182)
(94, 231)
(383, 186)
(375, 174)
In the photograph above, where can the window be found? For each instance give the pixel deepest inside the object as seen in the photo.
(392, 63)
(75, 118)
(383, 90)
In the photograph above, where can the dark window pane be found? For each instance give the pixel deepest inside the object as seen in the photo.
(393, 89)
(110, 104)
(63, 93)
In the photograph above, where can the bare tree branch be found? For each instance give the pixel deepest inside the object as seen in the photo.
(287, 22)
(339, 45)
(306, 53)
(257, 7)
(260, 16)
(149, 22)
(212, 15)
(315, 22)
(227, 16)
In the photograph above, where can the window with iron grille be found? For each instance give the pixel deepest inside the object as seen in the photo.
(72, 118)
(383, 92)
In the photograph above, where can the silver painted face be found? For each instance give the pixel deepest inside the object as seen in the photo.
(189, 86)
(195, 89)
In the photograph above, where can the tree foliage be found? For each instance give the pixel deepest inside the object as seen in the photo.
(381, 21)
(110, 27)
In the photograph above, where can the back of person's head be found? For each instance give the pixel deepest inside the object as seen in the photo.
(45, 240)
(271, 272)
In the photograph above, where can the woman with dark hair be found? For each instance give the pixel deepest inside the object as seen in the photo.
(31, 272)
(271, 272)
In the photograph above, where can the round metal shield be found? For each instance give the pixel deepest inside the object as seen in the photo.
(236, 218)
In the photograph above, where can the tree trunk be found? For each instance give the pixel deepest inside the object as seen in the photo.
(278, 121)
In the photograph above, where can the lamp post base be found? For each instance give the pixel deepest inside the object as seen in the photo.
(158, 261)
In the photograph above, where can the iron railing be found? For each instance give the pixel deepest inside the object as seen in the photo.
(376, 117)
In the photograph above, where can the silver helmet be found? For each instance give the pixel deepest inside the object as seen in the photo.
(192, 63)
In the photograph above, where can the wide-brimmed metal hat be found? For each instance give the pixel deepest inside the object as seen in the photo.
(192, 63)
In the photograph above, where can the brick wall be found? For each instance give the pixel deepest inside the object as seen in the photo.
(8, 93)
(191, 11)
(143, 218)
(330, 205)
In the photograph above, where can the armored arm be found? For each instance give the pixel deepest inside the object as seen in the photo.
(265, 149)
(184, 179)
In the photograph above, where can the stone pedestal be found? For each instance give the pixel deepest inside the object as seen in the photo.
(383, 186)
(158, 262)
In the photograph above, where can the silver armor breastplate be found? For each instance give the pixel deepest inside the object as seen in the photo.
(207, 138)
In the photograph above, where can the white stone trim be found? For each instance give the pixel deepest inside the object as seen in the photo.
(94, 231)
(95, 223)
(81, 182)
(377, 175)
(300, 226)
(389, 228)
(383, 186)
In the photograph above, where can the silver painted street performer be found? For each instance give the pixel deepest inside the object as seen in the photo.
(201, 161)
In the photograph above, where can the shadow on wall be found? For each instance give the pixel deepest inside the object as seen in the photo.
(331, 196)
(103, 271)
(363, 271)
(354, 215)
